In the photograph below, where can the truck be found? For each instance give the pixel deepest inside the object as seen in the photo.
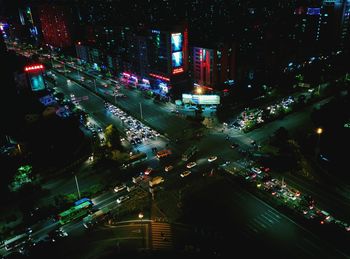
(155, 181)
(95, 217)
(134, 159)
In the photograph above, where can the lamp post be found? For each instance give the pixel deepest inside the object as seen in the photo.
(141, 231)
(141, 111)
(319, 131)
(95, 85)
(76, 183)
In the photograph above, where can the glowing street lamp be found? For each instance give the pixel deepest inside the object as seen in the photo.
(141, 217)
(319, 132)
(199, 90)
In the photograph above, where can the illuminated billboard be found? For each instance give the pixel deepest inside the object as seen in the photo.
(176, 42)
(177, 59)
(201, 99)
(313, 11)
(36, 81)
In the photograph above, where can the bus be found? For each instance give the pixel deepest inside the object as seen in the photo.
(189, 153)
(75, 212)
(134, 159)
(78, 202)
(163, 153)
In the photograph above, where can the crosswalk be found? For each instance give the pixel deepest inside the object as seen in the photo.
(263, 222)
(161, 236)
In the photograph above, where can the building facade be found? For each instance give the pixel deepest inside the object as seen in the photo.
(214, 67)
(55, 25)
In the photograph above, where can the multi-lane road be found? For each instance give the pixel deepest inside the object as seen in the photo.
(259, 220)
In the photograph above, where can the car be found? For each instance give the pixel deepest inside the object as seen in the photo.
(130, 188)
(226, 163)
(119, 188)
(191, 164)
(123, 198)
(148, 170)
(186, 173)
(168, 168)
(212, 158)
(137, 179)
(256, 170)
(234, 145)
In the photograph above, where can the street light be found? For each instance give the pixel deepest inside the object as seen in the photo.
(141, 231)
(76, 182)
(95, 85)
(319, 132)
(141, 111)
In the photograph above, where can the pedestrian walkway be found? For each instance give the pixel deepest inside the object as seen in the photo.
(161, 236)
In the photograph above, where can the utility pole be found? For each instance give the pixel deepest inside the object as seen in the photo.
(76, 182)
(95, 85)
(141, 111)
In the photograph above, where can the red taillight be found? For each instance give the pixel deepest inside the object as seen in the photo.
(322, 222)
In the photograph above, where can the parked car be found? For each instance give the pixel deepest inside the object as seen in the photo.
(186, 173)
(168, 168)
(191, 164)
(123, 198)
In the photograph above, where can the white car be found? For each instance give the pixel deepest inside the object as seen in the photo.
(212, 158)
(119, 188)
(122, 198)
(168, 168)
(191, 164)
(256, 170)
(186, 173)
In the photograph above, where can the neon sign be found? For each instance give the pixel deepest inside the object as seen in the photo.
(33, 68)
(178, 70)
(313, 11)
(160, 77)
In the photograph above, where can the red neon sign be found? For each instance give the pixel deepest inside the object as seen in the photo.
(35, 67)
(178, 70)
(160, 77)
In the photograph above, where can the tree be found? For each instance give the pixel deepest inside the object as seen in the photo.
(112, 137)
(22, 177)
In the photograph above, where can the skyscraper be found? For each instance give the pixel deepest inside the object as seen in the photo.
(214, 66)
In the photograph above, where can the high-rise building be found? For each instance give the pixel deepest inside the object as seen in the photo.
(214, 66)
(56, 25)
(168, 59)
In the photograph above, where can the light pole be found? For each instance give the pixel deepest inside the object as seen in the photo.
(51, 60)
(95, 85)
(141, 231)
(319, 131)
(76, 182)
(141, 111)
